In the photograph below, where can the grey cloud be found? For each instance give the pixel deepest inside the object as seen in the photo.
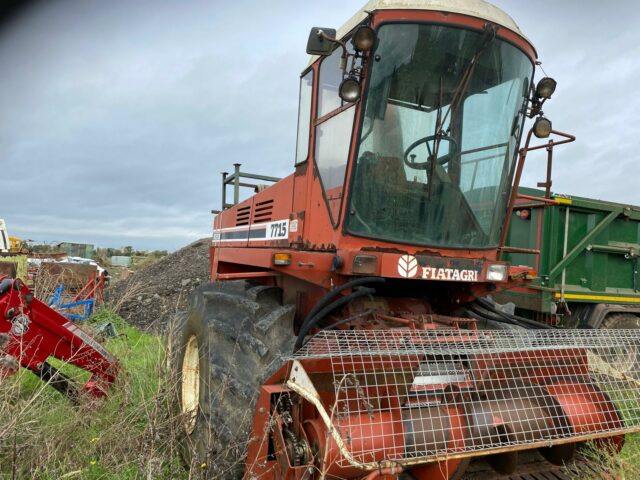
(117, 117)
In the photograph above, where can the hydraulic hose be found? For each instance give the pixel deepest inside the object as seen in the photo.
(313, 321)
(342, 322)
(335, 293)
(495, 317)
(511, 318)
(490, 315)
(488, 324)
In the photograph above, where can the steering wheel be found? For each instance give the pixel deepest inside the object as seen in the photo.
(453, 149)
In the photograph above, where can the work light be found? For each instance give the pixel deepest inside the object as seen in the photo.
(545, 88)
(363, 38)
(542, 127)
(497, 272)
(349, 90)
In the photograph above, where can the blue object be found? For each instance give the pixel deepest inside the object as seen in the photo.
(56, 303)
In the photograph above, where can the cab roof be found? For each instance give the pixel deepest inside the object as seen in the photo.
(472, 8)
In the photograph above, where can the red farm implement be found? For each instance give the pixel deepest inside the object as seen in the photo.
(31, 334)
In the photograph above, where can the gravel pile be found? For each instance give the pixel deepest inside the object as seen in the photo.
(149, 297)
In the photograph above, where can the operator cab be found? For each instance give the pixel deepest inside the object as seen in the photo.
(417, 128)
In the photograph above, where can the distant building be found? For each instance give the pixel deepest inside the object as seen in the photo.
(120, 261)
(77, 249)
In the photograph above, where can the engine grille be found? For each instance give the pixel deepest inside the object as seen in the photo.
(243, 216)
(263, 211)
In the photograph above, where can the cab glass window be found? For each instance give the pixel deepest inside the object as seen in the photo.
(334, 126)
(329, 81)
(304, 117)
(333, 139)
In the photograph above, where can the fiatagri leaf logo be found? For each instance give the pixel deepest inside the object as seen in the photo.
(407, 266)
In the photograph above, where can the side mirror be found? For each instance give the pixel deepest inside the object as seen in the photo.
(321, 41)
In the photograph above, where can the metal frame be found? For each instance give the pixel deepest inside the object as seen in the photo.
(56, 302)
(234, 180)
(516, 181)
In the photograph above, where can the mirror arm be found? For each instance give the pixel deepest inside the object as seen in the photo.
(345, 55)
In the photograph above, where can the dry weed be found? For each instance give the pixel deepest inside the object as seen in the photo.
(131, 434)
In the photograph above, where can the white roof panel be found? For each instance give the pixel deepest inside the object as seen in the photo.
(473, 8)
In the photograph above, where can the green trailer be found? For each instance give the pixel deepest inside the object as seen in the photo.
(585, 253)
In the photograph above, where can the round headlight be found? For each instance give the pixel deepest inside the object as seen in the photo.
(545, 88)
(349, 90)
(542, 127)
(363, 38)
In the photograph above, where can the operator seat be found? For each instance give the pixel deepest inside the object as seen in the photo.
(380, 184)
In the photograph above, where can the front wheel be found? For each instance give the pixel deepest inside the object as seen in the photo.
(233, 338)
(627, 358)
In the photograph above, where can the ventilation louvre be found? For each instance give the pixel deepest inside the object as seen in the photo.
(243, 216)
(262, 212)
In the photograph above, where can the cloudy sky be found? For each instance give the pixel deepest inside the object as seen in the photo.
(116, 118)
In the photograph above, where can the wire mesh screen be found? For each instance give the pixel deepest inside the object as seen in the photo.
(407, 395)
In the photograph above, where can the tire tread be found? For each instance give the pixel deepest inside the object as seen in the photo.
(249, 333)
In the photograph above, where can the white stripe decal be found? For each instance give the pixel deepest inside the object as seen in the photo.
(257, 232)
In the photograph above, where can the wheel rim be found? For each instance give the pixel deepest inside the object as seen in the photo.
(626, 358)
(190, 383)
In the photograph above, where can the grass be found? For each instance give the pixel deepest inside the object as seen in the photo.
(600, 463)
(631, 452)
(130, 434)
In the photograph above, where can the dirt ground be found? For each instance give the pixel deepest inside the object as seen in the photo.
(149, 297)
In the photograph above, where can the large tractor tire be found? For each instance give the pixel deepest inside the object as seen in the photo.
(627, 358)
(232, 339)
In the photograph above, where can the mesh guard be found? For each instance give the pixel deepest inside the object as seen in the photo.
(417, 396)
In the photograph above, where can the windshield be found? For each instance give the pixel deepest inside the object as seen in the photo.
(442, 122)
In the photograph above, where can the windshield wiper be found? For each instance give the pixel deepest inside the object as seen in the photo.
(458, 94)
(487, 38)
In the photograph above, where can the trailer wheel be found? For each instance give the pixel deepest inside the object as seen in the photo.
(628, 357)
(232, 339)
